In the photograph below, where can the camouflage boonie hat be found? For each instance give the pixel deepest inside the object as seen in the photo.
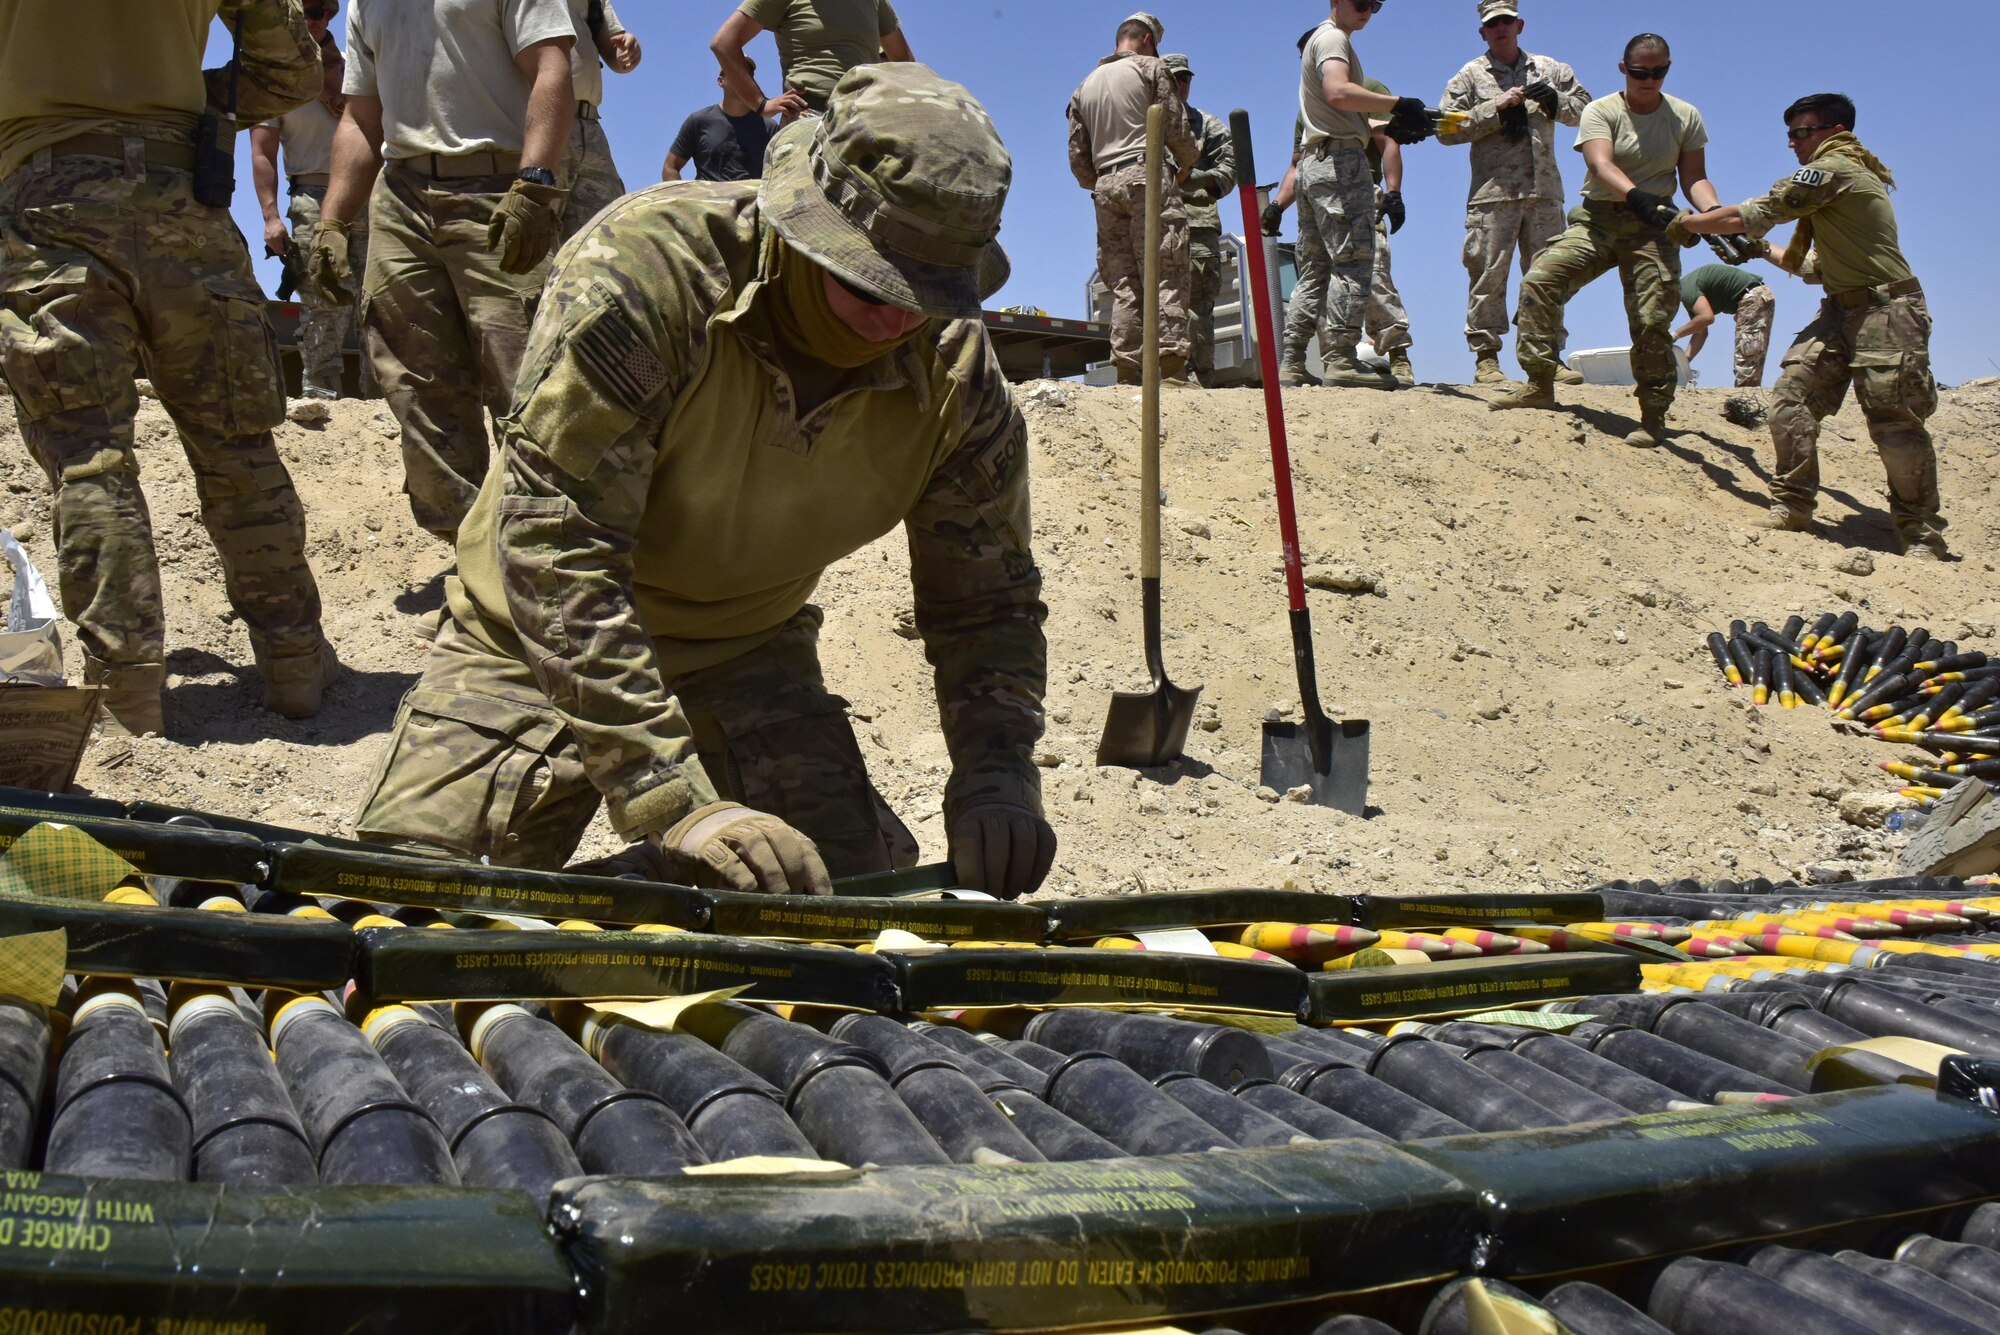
(1151, 21)
(1494, 9)
(897, 189)
(1177, 65)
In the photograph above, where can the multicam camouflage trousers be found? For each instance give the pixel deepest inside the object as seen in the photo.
(445, 329)
(1494, 234)
(1602, 237)
(587, 171)
(1754, 313)
(480, 764)
(1204, 282)
(1336, 250)
(109, 271)
(1386, 323)
(1120, 197)
(323, 330)
(1882, 345)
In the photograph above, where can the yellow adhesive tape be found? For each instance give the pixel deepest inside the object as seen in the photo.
(665, 1014)
(32, 966)
(1829, 1072)
(54, 861)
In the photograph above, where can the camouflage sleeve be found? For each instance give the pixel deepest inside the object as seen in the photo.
(604, 362)
(277, 60)
(1805, 191)
(1082, 162)
(979, 593)
(1461, 94)
(1571, 96)
(1182, 146)
(1214, 172)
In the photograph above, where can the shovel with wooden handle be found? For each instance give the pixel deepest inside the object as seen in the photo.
(1149, 728)
(1328, 756)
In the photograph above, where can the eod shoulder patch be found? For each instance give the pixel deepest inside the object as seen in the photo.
(1810, 176)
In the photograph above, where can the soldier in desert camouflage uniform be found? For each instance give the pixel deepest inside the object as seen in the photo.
(462, 220)
(588, 172)
(1873, 329)
(1213, 177)
(112, 269)
(1107, 155)
(306, 137)
(731, 386)
(1514, 100)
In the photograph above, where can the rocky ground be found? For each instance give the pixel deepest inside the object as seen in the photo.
(1516, 602)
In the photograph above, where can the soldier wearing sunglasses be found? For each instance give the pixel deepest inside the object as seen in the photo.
(1873, 329)
(1638, 143)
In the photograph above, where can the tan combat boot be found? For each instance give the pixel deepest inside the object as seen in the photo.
(1487, 371)
(1651, 434)
(1529, 394)
(131, 700)
(1566, 376)
(1292, 372)
(1343, 369)
(1926, 547)
(1400, 369)
(1784, 519)
(295, 684)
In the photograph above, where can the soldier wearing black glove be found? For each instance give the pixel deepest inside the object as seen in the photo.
(1393, 210)
(1543, 95)
(1411, 122)
(1651, 209)
(1514, 122)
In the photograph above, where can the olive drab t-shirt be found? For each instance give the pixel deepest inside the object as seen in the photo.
(820, 40)
(1323, 120)
(1646, 148)
(1724, 285)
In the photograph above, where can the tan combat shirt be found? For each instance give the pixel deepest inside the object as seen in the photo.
(96, 66)
(1323, 119)
(1107, 116)
(586, 66)
(661, 505)
(1506, 169)
(820, 40)
(456, 96)
(1646, 148)
(1854, 241)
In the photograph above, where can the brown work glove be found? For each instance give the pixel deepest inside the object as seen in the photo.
(748, 850)
(1003, 849)
(1678, 233)
(329, 278)
(526, 225)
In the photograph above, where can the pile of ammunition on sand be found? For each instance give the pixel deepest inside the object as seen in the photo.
(1725, 1105)
(1908, 686)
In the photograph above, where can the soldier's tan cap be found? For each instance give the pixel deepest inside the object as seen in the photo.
(1493, 9)
(897, 189)
(1151, 20)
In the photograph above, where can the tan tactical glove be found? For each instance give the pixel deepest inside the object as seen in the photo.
(748, 850)
(329, 278)
(526, 225)
(1678, 233)
(1003, 849)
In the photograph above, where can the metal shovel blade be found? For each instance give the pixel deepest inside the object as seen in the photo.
(1147, 729)
(1336, 770)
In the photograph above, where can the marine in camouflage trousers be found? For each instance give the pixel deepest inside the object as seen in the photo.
(1204, 283)
(587, 171)
(444, 328)
(1120, 197)
(1336, 249)
(1603, 236)
(1494, 234)
(323, 330)
(1881, 343)
(1386, 323)
(111, 270)
(480, 765)
(1754, 313)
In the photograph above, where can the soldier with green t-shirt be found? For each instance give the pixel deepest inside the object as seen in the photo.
(1723, 289)
(818, 41)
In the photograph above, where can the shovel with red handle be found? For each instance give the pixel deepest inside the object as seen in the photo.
(1327, 756)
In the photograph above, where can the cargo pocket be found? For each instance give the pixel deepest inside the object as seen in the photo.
(1895, 383)
(253, 396)
(459, 769)
(50, 365)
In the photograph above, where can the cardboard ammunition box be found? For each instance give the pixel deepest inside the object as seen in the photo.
(966, 979)
(1013, 1248)
(43, 733)
(411, 964)
(1462, 987)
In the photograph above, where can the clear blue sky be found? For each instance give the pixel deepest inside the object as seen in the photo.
(1921, 70)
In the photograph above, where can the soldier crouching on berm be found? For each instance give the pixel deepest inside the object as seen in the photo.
(731, 386)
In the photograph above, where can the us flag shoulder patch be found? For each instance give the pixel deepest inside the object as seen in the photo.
(1810, 176)
(611, 352)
